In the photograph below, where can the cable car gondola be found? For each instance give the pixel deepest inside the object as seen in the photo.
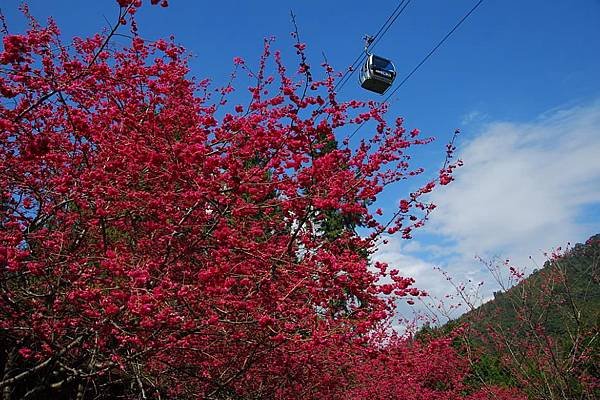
(377, 74)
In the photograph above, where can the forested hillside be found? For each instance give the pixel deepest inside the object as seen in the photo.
(542, 335)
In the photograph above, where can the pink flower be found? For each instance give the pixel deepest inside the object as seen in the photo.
(25, 352)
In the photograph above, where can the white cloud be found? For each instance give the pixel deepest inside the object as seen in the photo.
(524, 185)
(525, 189)
(399, 254)
(473, 117)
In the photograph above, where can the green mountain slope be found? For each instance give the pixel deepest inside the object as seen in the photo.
(541, 335)
(560, 296)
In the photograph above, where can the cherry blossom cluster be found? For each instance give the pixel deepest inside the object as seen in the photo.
(154, 244)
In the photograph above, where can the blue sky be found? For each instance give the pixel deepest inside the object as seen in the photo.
(520, 78)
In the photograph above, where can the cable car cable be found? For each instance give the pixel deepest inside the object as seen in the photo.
(376, 38)
(358, 59)
(391, 23)
(440, 43)
(437, 46)
(390, 17)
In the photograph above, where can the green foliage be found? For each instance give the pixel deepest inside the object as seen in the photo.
(490, 370)
(540, 335)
